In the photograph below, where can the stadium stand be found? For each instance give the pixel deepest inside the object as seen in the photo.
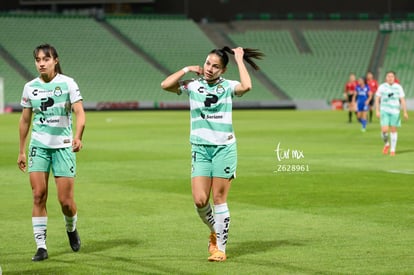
(175, 43)
(320, 73)
(400, 58)
(105, 69)
(13, 82)
(124, 58)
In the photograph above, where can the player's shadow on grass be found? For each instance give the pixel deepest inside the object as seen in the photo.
(96, 246)
(405, 151)
(249, 247)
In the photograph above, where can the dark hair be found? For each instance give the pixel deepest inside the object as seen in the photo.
(248, 55)
(49, 51)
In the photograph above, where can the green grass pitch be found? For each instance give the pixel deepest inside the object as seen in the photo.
(348, 210)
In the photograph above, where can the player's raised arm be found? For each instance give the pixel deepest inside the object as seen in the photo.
(241, 55)
(171, 84)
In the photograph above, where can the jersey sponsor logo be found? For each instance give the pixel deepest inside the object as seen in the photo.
(210, 99)
(46, 102)
(37, 92)
(54, 120)
(213, 116)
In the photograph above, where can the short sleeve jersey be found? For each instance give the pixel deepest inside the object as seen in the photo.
(211, 111)
(51, 104)
(373, 85)
(362, 93)
(350, 87)
(390, 97)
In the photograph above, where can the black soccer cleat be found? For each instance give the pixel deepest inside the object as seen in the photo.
(41, 254)
(74, 240)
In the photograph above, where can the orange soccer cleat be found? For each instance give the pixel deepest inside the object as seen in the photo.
(212, 243)
(219, 256)
(385, 150)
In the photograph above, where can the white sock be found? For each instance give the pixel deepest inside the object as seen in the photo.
(206, 215)
(71, 222)
(39, 231)
(384, 136)
(222, 216)
(393, 138)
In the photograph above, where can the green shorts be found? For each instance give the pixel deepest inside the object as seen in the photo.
(214, 161)
(62, 161)
(388, 119)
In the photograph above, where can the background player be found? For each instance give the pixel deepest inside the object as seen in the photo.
(362, 97)
(373, 87)
(390, 98)
(349, 91)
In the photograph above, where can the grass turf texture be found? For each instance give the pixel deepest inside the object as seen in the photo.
(352, 212)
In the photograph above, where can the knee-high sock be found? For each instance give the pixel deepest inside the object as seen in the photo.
(364, 123)
(222, 216)
(393, 138)
(39, 231)
(206, 215)
(71, 223)
(384, 136)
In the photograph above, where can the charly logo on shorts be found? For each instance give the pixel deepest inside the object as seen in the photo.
(30, 162)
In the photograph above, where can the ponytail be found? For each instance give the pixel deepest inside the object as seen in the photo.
(248, 55)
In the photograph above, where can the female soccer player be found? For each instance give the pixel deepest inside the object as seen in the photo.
(373, 87)
(389, 99)
(349, 91)
(50, 100)
(362, 96)
(214, 152)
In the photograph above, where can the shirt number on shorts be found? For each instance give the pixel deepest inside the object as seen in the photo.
(33, 152)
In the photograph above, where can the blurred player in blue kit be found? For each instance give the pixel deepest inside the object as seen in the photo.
(362, 97)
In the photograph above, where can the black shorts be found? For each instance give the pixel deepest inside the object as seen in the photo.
(371, 102)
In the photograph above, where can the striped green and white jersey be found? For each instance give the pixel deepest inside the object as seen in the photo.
(211, 111)
(51, 104)
(390, 97)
